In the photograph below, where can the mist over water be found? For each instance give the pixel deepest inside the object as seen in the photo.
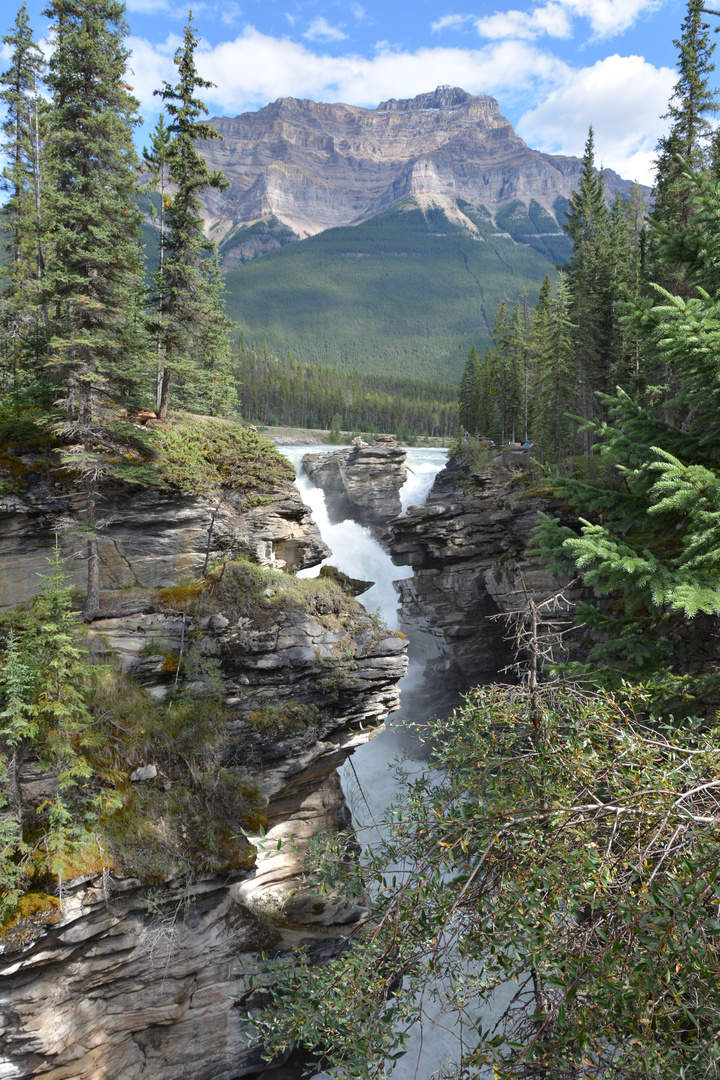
(369, 778)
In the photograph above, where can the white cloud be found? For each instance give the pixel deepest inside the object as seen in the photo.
(230, 13)
(622, 97)
(449, 22)
(551, 19)
(321, 30)
(150, 66)
(606, 17)
(256, 68)
(358, 12)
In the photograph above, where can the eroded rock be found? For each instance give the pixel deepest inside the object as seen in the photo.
(471, 547)
(361, 483)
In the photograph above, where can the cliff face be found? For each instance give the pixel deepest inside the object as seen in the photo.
(361, 483)
(150, 538)
(311, 166)
(130, 974)
(470, 546)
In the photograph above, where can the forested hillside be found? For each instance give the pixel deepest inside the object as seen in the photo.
(288, 392)
(407, 293)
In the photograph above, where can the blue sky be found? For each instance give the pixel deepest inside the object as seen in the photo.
(555, 66)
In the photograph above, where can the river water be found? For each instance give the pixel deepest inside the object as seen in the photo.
(368, 777)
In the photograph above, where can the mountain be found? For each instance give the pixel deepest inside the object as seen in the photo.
(415, 218)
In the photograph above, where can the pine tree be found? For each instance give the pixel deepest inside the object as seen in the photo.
(95, 275)
(17, 724)
(557, 391)
(21, 313)
(590, 279)
(188, 309)
(469, 395)
(689, 138)
(654, 541)
(62, 715)
(157, 158)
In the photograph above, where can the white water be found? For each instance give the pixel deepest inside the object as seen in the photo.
(368, 777)
(354, 549)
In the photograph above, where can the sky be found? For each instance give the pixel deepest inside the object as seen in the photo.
(555, 66)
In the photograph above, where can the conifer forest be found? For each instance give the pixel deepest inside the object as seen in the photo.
(563, 836)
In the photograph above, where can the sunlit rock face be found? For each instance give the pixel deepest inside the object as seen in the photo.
(305, 166)
(151, 538)
(138, 979)
(361, 483)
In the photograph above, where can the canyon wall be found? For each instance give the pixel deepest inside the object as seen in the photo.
(134, 972)
(471, 547)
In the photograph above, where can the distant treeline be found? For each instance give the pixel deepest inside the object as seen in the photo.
(292, 393)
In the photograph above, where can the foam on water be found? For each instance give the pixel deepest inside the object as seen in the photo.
(369, 779)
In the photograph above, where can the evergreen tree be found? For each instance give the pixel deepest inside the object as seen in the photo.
(60, 710)
(157, 158)
(188, 300)
(22, 326)
(94, 281)
(469, 394)
(687, 144)
(504, 376)
(557, 376)
(94, 278)
(590, 274)
(654, 543)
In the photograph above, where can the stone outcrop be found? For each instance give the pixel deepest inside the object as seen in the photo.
(150, 538)
(147, 979)
(298, 167)
(471, 547)
(361, 483)
(137, 982)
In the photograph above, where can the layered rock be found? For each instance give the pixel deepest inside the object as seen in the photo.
(150, 538)
(144, 978)
(361, 483)
(138, 982)
(299, 167)
(471, 547)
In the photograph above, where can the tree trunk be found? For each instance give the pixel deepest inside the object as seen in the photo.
(165, 394)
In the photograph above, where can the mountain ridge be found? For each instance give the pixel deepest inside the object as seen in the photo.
(314, 166)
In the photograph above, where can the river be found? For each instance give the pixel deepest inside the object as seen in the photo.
(368, 776)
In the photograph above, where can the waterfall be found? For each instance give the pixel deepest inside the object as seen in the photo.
(367, 777)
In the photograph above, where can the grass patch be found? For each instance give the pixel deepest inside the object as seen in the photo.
(206, 456)
(243, 590)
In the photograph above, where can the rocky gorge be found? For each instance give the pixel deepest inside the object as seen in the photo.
(145, 961)
(142, 963)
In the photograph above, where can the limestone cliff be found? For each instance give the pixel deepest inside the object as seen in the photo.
(220, 705)
(301, 166)
(471, 547)
(361, 483)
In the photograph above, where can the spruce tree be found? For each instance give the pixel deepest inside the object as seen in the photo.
(688, 143)
(188, 303)
(94, 280)
(651, 538)
(590, 276)
(557, 391)
(21, 313)
(157, 159)
(469, 395)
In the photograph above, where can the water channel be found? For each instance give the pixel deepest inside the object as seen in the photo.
(369, 779)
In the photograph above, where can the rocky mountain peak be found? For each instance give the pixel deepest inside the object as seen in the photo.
(443, 97)
(298, 167)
